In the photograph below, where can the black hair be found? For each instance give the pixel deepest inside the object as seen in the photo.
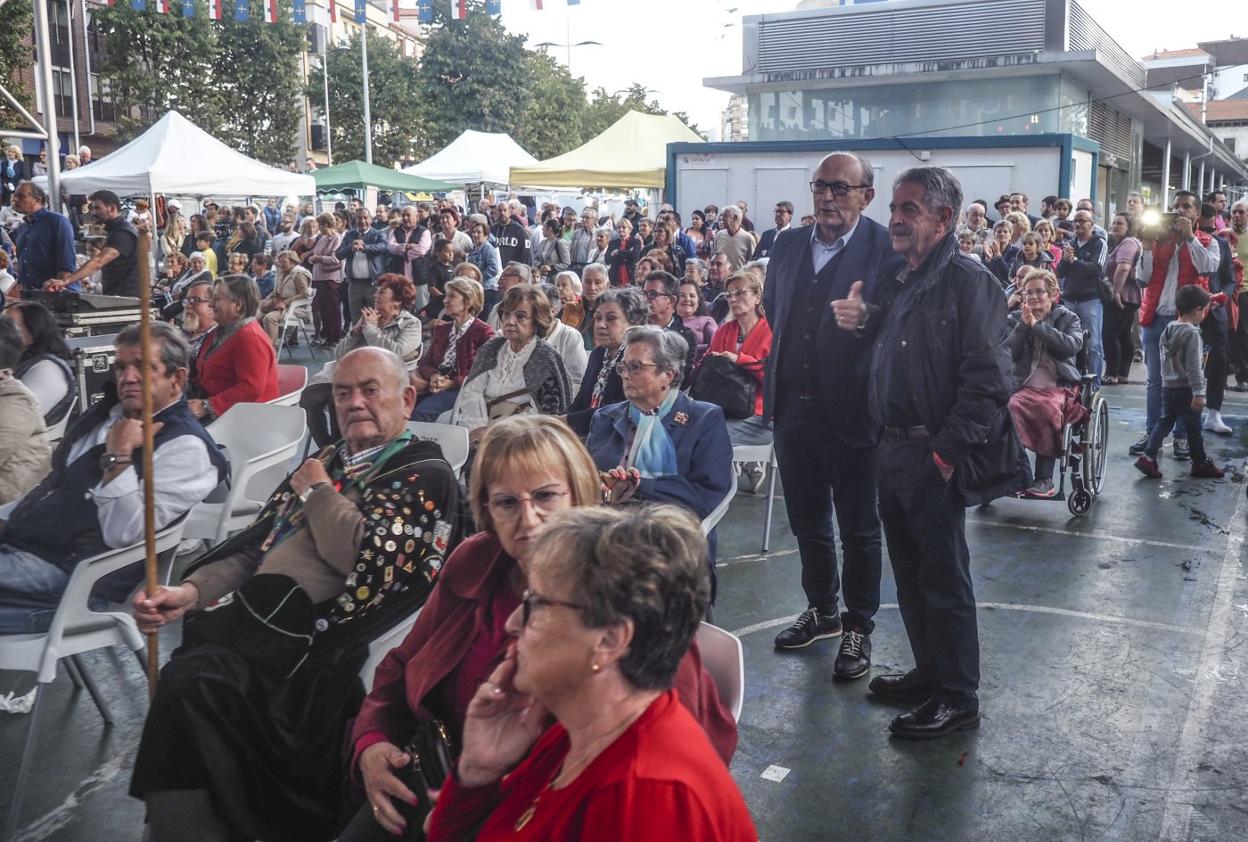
(10, 344)
(45, 334)
(1191, 297)
(671, 285)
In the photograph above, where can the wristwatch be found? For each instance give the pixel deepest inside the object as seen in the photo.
(307, 492)
(108, 461)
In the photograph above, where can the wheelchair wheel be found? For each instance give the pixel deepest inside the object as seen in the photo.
(1096, 447)
(1079, 502)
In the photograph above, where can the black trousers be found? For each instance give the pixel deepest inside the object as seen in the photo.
(1116, 338)
(821, 479)
(925, 527)
(1239, 342)
(317, 401)
(1213, 334)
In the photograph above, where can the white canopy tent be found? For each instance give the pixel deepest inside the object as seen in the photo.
(177, 158)
(475, 158)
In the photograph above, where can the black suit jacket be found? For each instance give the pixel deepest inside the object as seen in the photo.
(843, 358)
(766, 244)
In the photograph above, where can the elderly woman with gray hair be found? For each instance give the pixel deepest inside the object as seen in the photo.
(617, 310)
(659, 444)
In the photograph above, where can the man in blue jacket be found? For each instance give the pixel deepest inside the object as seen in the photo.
(939, 386)
(363, 254)
(45, 242)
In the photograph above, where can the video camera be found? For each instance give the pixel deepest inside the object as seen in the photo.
(1156, 224)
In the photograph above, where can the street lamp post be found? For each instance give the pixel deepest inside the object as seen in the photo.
(368, 119)
(329, 143)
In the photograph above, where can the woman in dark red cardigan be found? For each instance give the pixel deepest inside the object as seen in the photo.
(527, 468)
(614, 601)
(445, 366)
(236, 363)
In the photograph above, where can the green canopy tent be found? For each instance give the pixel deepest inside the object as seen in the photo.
(357, 175)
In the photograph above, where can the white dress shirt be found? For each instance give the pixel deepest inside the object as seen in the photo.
(821, 252)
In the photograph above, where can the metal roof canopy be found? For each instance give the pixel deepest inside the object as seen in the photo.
(1228, 52)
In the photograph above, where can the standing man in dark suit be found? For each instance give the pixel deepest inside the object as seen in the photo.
(816, 395)
(767, 243)
(939, 385)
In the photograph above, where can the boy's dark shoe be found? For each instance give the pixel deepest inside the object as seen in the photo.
(1207, 470)
(1148, 467)
(1181, 451)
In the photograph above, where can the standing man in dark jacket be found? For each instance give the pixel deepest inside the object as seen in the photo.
(1214, 330)
(511, 237)
(784, 216)
(1080, 270)
(938, 392)
(363, 254)
(815, 392)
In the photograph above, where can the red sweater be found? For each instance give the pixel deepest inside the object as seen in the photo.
(243, 369)
(753, 354)
(445, 629)
(660, 781)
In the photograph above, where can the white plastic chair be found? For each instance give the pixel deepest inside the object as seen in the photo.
(75, 629)
(57, 431)
(717, 514)
(452, 438)
(379, 648)
(291, 380)
(724, 659)
(297, 314)
(260, 440)
(765, 453)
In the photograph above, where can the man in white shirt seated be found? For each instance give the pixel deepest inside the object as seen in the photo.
(93, 498)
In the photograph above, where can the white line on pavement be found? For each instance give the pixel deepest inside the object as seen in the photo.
(1099, 536)
(1177, 819)
(1006, 606)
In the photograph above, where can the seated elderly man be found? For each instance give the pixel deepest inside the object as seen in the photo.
(245, 733)
(93, 498)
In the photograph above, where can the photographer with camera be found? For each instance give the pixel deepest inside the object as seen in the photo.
(1174, 256)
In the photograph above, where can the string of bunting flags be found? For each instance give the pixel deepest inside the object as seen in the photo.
(241, 9)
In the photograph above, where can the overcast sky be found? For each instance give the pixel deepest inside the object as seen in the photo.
(671, 45)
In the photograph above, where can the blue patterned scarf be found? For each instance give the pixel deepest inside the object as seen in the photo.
(652, 452)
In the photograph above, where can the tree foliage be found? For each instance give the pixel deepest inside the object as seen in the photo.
(394, 89)
(553, 121)
(16, 19)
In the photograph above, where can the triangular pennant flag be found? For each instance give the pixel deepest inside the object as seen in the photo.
(299, 11)
(188, 8)
(424, 11)
(361, 11)
(214, 9)
(242, 10)
(270, 11)
(459, 9)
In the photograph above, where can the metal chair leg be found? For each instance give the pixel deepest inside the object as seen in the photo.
(23, 770)
(771, 502)
(74, 676)
(100, 704)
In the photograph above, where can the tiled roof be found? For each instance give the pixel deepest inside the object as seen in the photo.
(1221, 110)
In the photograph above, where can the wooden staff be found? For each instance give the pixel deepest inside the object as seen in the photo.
(149, 485)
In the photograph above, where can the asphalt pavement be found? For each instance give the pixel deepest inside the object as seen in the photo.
(1113, 685)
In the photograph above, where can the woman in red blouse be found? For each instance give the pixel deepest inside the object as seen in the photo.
(745, 339)
(527, 468)
(614, 598)
(236, 363)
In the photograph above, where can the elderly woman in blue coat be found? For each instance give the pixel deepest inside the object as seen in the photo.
(659, 444)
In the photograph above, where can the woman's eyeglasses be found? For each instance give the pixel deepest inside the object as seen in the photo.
(507, 508)
(633, 367)
(530, 600)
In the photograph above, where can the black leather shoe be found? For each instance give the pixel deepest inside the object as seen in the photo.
(933, 720)
(854, 659)
(900, 687)
(809, 626)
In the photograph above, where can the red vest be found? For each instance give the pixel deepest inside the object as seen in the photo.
(1163, 251)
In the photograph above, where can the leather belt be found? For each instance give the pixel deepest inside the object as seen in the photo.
(905, 433)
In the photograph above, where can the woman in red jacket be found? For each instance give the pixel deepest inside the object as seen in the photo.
(527, 469)
(452, 350)
(236, 363)
(613, 602)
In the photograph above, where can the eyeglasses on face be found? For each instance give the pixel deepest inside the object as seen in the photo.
(633, 367)
(1035, 293)
(195, 299)
(734, 294)
(652, 294)
(531, 600)
(506, 507)
(838, 188)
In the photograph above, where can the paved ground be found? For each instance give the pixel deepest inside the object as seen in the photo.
(1113, 684)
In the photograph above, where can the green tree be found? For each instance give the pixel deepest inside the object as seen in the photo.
(154, 63)
(552, 122)
(255, 68)
(473, 74)
(605, 108)
(394, 89)
(16, 21)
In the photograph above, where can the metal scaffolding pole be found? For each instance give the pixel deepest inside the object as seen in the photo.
(368, 117)
(1165, 177)
(1186, 181)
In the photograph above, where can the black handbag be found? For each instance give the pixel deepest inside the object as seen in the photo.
(431, 762)
(720, 381)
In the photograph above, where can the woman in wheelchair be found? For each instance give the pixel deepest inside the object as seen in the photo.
(1044, 339)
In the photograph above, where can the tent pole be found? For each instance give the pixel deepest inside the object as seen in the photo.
(149, 486)
(43, 46)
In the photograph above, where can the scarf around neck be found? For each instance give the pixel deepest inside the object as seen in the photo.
(652, 452)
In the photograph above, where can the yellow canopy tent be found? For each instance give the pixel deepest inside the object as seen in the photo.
(631, 153)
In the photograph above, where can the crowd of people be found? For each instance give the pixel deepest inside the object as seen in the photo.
(603, 369)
